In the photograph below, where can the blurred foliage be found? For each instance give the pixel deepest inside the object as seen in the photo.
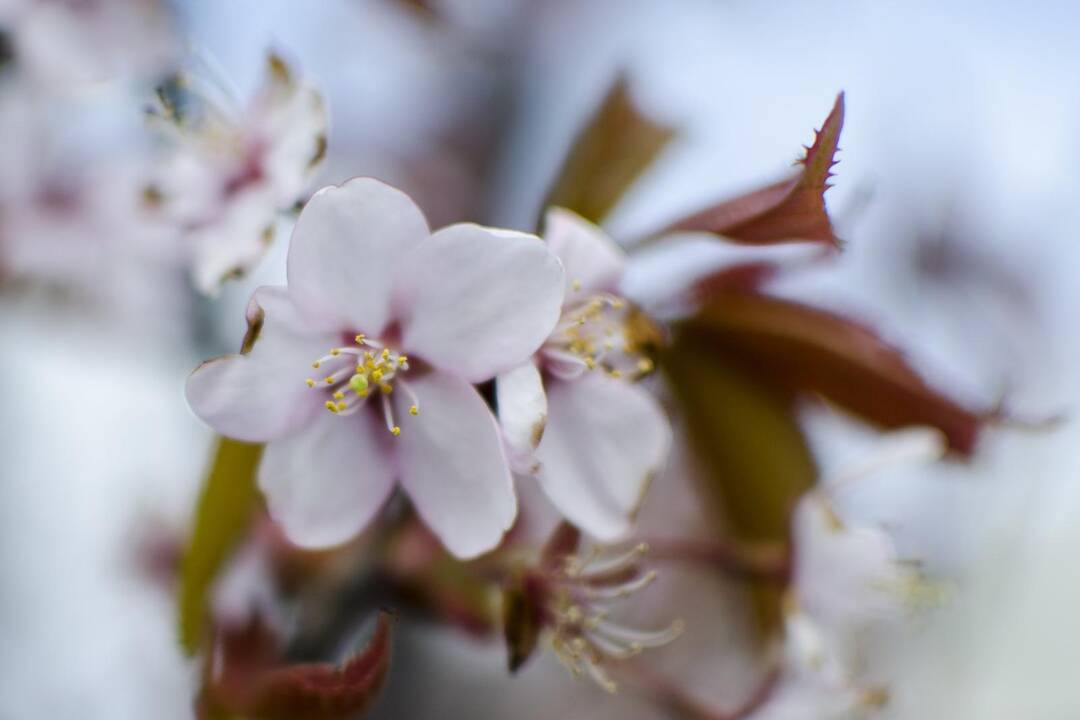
(244, 677)
(754, 457)
(224, 512)
(617, 144)
(807, 350)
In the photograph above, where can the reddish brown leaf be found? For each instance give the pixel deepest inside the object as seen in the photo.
(250, 681)
(615, 147)
(810, 350)
(791, 210)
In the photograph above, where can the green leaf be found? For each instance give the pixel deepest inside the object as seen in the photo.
(223, 515)
(787, 211)
(753, 456)
(617, 144)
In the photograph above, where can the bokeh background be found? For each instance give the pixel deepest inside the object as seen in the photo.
(955, 195)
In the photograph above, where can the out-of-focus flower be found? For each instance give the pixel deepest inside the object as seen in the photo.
(67, 42)
(847, 582)
(230, 171)
(379, 305)
(572, 415)
(68, 194)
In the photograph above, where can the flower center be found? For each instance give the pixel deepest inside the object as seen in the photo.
(355, 373)
(594, 334)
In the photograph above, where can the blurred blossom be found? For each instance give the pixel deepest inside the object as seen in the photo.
(68, 42)
(229, 171)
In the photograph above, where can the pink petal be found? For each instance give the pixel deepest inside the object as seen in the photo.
(593, 262)
(604, 439)
(478, 301)
(519, 395)
(324, 485)
(261, 395)
(452, 464)
(345, 249)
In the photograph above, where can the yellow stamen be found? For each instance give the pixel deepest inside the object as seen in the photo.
(413, 410)
(310, 382)
(395, 431)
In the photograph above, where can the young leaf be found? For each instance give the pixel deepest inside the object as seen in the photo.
(615, 147)
(223, 514)
(751, 450)
(246, 678)
(787, 211)
(813, 351)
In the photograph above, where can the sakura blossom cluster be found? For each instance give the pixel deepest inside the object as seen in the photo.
(361, 375)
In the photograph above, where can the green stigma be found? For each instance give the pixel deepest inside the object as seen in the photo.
(359, 383)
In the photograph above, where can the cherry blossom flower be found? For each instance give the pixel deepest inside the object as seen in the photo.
(847, 581)
(572, 416)
(397, 323)
(230, 171)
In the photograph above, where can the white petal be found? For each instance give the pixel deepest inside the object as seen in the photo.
(234, 242)
(324, 485)
(844, 575)
(346, 246)
(604, 439)
(290, 116)
(519, 395)
(593, 262)
(452, 464)
(477, 301)
(262, 395)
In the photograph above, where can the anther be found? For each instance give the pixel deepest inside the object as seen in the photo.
(310, 382)
(413, 410)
